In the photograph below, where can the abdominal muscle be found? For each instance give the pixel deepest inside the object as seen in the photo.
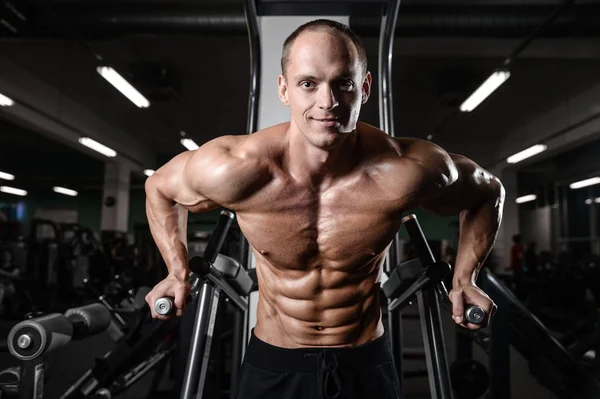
(318, 307)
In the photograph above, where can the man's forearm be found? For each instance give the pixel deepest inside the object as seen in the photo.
(168, 225)
(478, 230)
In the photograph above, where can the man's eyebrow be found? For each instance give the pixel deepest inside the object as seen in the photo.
(301, 78)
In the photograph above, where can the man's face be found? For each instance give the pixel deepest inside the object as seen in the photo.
(324, 86)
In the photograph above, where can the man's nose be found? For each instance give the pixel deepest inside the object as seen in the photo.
(327, 98)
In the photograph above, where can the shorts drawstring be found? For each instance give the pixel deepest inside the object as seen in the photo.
(327, 376)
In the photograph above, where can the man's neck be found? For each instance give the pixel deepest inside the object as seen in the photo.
(316, 166)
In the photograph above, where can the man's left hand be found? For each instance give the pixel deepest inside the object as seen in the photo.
(469, 294)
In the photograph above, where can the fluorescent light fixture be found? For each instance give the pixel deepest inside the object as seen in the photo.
(123, 86)
(12, 190)
(584, 183)
(65, 191)
(526, 198)
(6, 176)
(5, 101)
(528, 153)
(487, 88)
(189, 144)
(149, 172)
(94, 145)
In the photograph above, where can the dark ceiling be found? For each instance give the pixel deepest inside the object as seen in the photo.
(191, 58)
(40, 163)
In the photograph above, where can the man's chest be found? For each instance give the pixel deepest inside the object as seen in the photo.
(350, 223)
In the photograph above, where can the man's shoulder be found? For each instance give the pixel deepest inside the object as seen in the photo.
(374, 141)
(403, 150)
(231, 168)
(415, 161)
(404, 145)
(258, 145)
(412, 147)
(371, 132)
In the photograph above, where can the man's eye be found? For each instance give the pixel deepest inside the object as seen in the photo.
(306, 85)
(347, 84)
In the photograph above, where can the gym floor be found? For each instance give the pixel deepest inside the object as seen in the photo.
(67, 364)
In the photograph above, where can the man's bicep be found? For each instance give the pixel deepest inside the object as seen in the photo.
(172, 182)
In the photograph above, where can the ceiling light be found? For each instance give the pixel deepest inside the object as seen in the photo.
(123, 86)
(588, 201)
(5, 101)
(65, 191)
(12, 190)
(487, 88)
(528, 153)
(526, 198)
(148, 172)
(94, 145)
(6, 176)
(189, 144)
(585, 183)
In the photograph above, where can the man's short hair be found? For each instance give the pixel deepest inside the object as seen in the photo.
(323, 25)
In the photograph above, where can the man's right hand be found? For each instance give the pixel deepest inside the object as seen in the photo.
(173, 287)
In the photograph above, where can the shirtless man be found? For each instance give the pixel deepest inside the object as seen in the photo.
(320, 199)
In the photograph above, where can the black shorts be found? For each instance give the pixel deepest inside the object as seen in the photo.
(366, 371)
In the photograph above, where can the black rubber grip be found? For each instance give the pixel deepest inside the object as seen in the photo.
(199, 266)
(88, 320)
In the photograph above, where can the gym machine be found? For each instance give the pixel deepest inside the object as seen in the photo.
(214, 275)
(31, 339)
(555, 367)
(144, 344)
(423, 278)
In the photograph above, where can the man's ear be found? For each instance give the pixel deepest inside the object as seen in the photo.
(282, 90)
(366, 87)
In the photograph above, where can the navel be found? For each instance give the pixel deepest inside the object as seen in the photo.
(319, 328)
